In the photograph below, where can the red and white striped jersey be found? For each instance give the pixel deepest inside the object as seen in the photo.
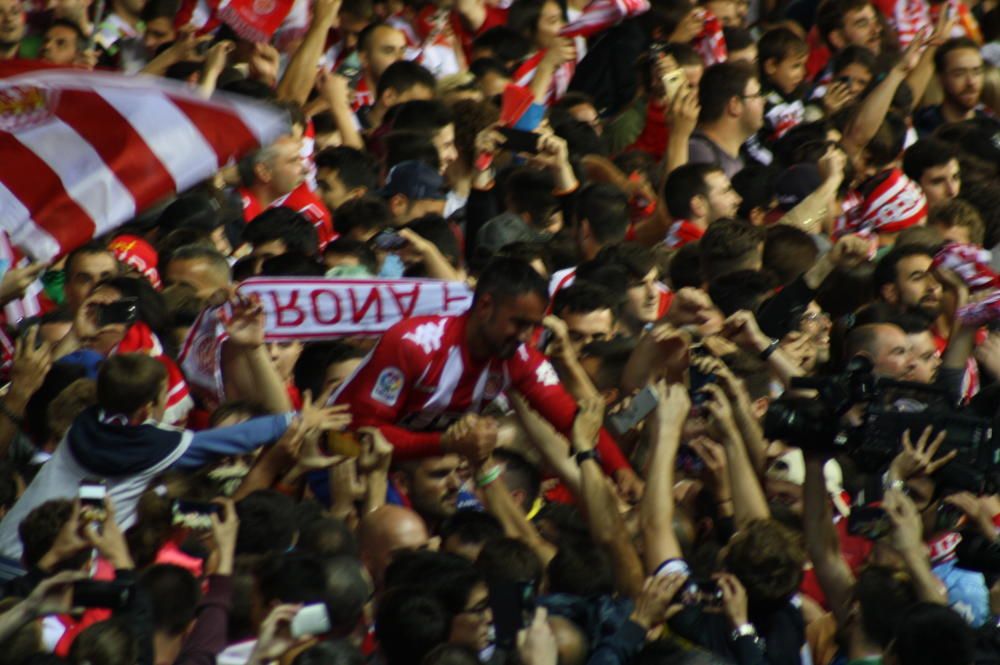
(420, 378)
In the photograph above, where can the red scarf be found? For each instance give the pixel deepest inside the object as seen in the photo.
(254, 20)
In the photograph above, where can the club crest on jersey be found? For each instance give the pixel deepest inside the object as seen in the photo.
(388, 385)
(494, 383)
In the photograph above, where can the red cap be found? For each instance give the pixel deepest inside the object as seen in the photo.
(136, 252)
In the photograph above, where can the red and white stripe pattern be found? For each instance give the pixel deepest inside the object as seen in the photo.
(602, 14)
(106, 147)
(907, 17)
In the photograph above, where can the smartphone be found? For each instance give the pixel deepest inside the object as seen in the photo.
(673, 83)
(124, 311)
(342, 443)
(97, 593)
(869, 521)
(311, 620)
(92, 494)
(513, 605)
(388, 240)
(518, 140)
(628, 418)
(702, 592)
(195, 515)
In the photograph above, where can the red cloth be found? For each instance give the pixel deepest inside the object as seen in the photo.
(819, 54)
(254, 20)
(655, 132)
(135, 252)
(681, 233)
(495, 16)
(420, 378)
(302, 200)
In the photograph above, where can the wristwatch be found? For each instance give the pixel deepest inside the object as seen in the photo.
(744, 630)
(771, 348)
(585, 455)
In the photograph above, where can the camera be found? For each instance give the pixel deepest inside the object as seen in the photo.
(864, 417)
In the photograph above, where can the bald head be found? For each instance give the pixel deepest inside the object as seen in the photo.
(886, 345)
(386, 531)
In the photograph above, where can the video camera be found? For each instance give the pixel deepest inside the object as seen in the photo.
(864, 417)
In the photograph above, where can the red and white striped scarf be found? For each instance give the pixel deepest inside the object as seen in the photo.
(710, 42)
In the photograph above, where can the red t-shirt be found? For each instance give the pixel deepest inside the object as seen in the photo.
(302, 200)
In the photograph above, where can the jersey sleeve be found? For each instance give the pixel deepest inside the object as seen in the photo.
(379, 389)
(534, 377)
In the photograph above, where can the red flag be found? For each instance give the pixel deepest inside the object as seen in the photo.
(515, 101)
(84, 152)
(254, 20)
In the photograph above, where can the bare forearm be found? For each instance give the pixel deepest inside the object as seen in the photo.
(267, 383)
(823, 543)
(863, 126)
(301, 72)
(656, 511)
(269, 467)
(515, 523)
(749, 502)
(608, 529)
(929, 588)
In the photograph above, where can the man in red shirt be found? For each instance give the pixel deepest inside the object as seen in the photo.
(276, 177)
(428, 376)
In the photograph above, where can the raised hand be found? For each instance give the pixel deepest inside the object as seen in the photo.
(31, 364)
(244, 323)
(588, 422)
(16, 280)
(656, 602)
(918, 460)
(837, 95)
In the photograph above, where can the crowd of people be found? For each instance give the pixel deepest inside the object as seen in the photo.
(712, 378)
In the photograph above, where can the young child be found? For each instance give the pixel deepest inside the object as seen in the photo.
(782, 59)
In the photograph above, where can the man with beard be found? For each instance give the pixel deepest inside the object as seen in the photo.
(430, 487)
(960, 71)
(428, 378)
(904, 278)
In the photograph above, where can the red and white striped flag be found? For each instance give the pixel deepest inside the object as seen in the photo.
(84, 152)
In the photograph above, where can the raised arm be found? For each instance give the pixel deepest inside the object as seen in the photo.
(656, 510)
(247, 370)
(301, 71)
(823, 543)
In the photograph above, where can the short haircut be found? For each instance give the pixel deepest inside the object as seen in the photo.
(953, 44)
(408, 145)
(344, 246)
(958, 212)
(175, 594)
(685, 267)
(683, 184)
(404, 75)
(480, 67)
(213, 257)
(729, 245)
(365, 36)
(886, 145)
(613, 355)
(327, 537)
(354, 168)
(128, 381)
(928, 633)
(505, 44)
(366, 213)
(339, 652)
(423, 115)
(885, 269)
(830, 15)
(530, 192)
(737, 39)
(519, 473)
(719, 84)
(310, 369)
(110, 642)
(584, 296)
(779, 44)
(291, 264)
(509, 560)
(754, 372)
(755, 185)
(788, 252)
(39, 529)
(434, 228)
(471, 527)
(605, 207)
(742, 289)
(506, 278)
(409, 623)
(362, 9)
(634, 259)
(154, 9)
(767, 557)
(90, 248)
(286, 225)
(267, 523)
(926, 154)
(81, 38)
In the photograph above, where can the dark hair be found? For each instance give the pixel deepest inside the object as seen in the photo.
(754, 372)
(683, 184)
(505, 278)
(885, 269)
(450, 577)
(210, 255)
(81, 38)
(310, 369)
(128, 381)
(580, 569)
(434, 228)
(884, 594)
(354, 168)
(767, 557)
(422, 115)
(788, 252)
(154, 9)
(339, 652)
(39, 529)
(925, 154)
(779, 44)
(110, 642)
(719, 84)
(471, 527)
(928, 634)
(346, 590)
(8, 485)
(605, 207)
(410, 145)
(613, 355)
(368, 213)
(345, 246)
(450, 654)
(93, 247)
(960, 213)
(523, 16)
(519, 473)
(584, 296)
(885, 147)
(742, 289)
(855, 55)
(174, 593)
(267, 522)
(471, 117)
(402, 76)
(286, 225)
(291, 264)
(409, 622)
(729, 245)
(953, 44)
(507, 45)
(291, 577)
(635, 259)
(737, 39)
(685, 267)
(530, 193)
(755, 185)
(480, 67)
(830, 15)
(509, 560)
(150, 306)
